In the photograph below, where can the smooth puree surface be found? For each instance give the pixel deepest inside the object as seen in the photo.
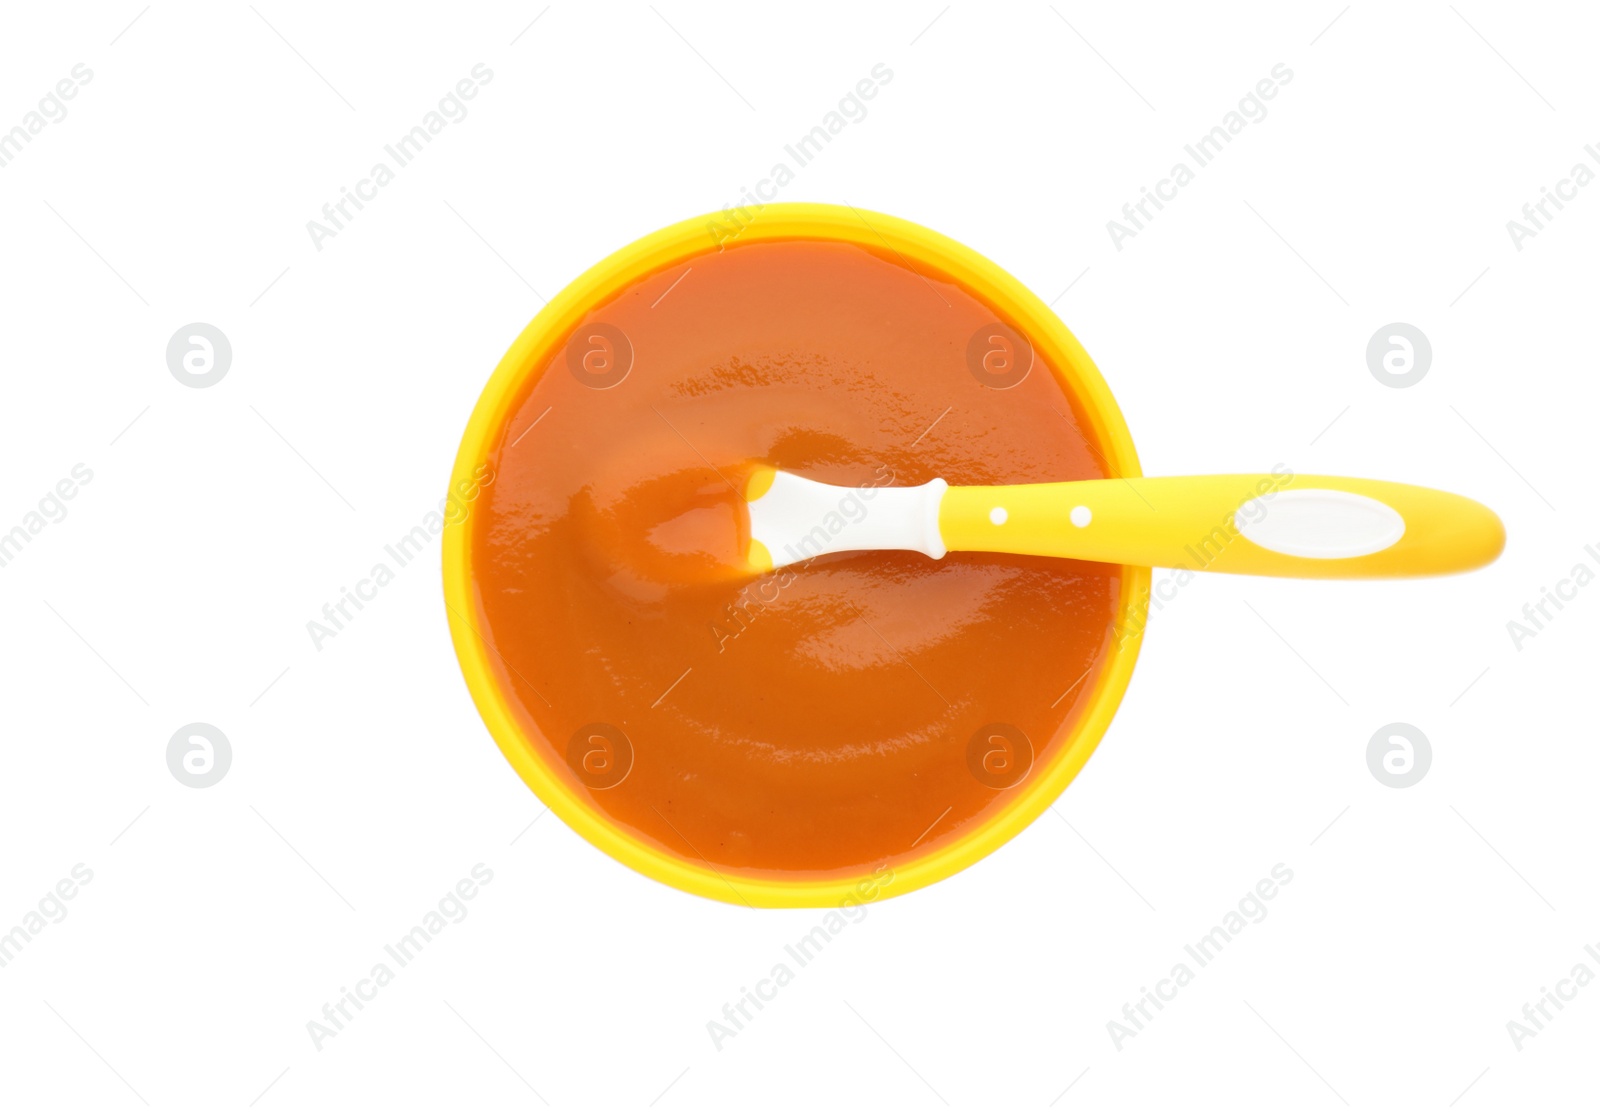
(818, 721)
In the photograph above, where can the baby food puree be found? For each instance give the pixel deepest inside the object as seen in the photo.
(822, 720)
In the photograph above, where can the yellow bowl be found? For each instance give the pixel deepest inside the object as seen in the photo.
(927, 251)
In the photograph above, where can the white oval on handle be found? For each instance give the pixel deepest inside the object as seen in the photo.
(1320, 524)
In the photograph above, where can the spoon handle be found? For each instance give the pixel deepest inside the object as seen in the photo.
(1312, 526)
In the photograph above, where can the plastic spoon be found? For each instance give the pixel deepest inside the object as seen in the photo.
(1281, 524)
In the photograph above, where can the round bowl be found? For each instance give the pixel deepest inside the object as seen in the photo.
(673, 246)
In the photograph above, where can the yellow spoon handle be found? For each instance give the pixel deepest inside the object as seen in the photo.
(1312, 526)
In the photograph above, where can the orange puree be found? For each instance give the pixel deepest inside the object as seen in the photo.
(818, 721)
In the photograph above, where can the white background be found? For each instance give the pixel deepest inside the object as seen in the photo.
(363, 785)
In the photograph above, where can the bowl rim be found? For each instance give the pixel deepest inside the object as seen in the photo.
(678, 243)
